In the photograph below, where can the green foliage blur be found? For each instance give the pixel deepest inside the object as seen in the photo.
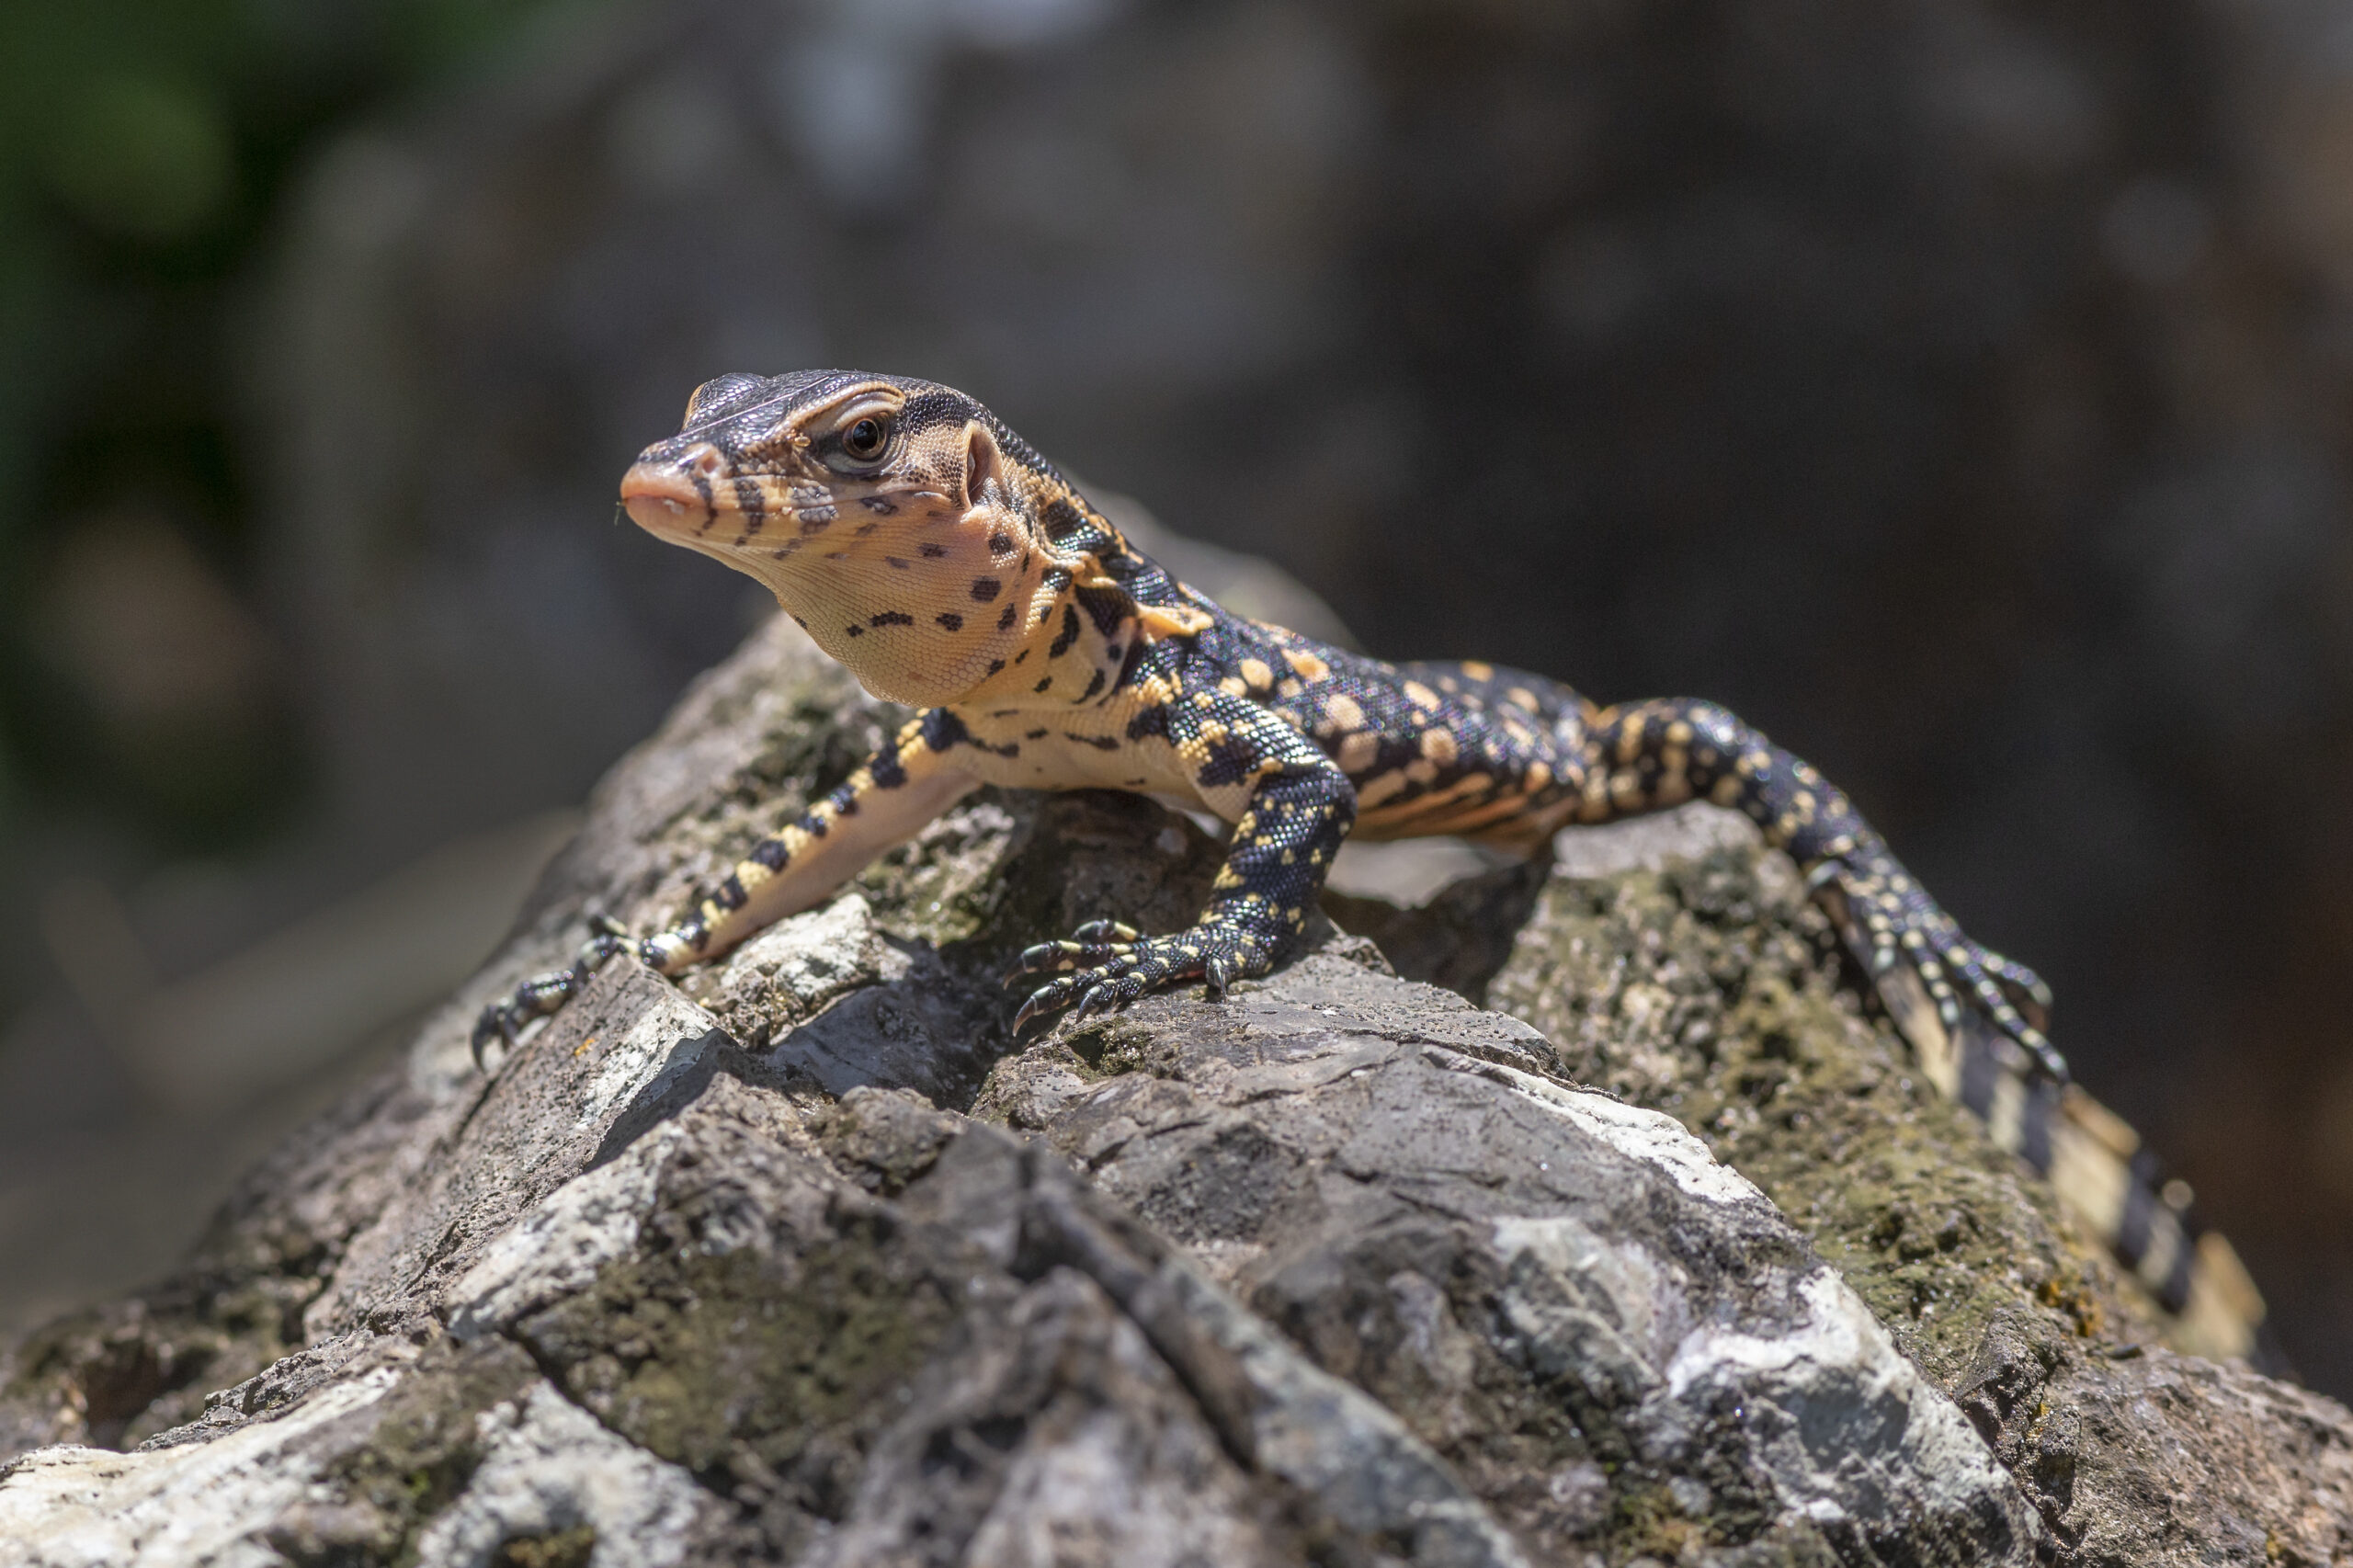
(145, 150)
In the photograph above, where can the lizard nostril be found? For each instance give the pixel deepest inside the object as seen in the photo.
(708, 462)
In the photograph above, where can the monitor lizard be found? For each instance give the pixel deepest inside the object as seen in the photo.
(926, 546)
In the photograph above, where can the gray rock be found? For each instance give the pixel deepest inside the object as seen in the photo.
(805, 1259)
(1543, 1282)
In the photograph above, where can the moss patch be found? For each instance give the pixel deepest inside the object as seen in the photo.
(1714, 990)
(113, 1376)
(563, 1549)
(749, 1371)
(425, 1447)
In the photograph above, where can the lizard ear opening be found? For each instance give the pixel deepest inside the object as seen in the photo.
(984, 467)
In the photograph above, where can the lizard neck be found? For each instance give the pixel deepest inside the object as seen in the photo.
(1089, 616)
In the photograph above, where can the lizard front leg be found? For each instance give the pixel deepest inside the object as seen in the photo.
(887, 801)
(1300, 808)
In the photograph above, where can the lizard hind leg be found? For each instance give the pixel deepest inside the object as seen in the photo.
(1645, 756)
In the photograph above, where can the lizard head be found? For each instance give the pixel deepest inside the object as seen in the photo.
(897, 521)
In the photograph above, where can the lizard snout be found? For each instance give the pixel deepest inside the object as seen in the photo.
(665, 489)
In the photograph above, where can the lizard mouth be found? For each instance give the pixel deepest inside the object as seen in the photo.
(668, 498)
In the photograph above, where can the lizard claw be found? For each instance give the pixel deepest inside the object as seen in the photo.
(543, 994)
(1044, 1000)
(1061, 958)
(1108, 965)
(1896, 922)
(1096, 998)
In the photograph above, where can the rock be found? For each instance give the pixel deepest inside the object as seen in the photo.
(806, 1259)
(1542, 1282)
(2137, 1455)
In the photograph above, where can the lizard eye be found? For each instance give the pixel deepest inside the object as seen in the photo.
(865, 439)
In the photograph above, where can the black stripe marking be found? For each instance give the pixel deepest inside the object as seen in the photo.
(1979, 1072)
(752, 503)
(942, 729)
(2034, 1130)
(1062, 519)
(1105, 607)
(2174, 1294)
(890, 618)
(1067, 636)
(2133, 1226)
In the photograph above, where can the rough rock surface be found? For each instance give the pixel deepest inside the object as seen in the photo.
(806, 1260)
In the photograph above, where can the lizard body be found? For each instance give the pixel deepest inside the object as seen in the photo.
(931, 549)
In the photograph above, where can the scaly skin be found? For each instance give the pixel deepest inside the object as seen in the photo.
(931, 549)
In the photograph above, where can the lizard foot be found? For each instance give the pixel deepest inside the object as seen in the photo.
(1106, 965)
(1901, 924)
(543, 994)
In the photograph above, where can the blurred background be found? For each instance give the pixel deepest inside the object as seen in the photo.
(1959, 390)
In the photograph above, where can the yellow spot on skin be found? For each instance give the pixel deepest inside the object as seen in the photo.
(1679, 732)
(1342, 714)
(1288, 686)
(1255, 672)
(1421, 770)
(1310, 667)
(1375, 791)
(1233, 687)
(1629, 739)
(1727, 790)
(1594, 804)
(1421, 695)
(1358, 751)
(1170, 620)
(1521, 696)
(1478, 670)
(1539, 775)
(1438, 746)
